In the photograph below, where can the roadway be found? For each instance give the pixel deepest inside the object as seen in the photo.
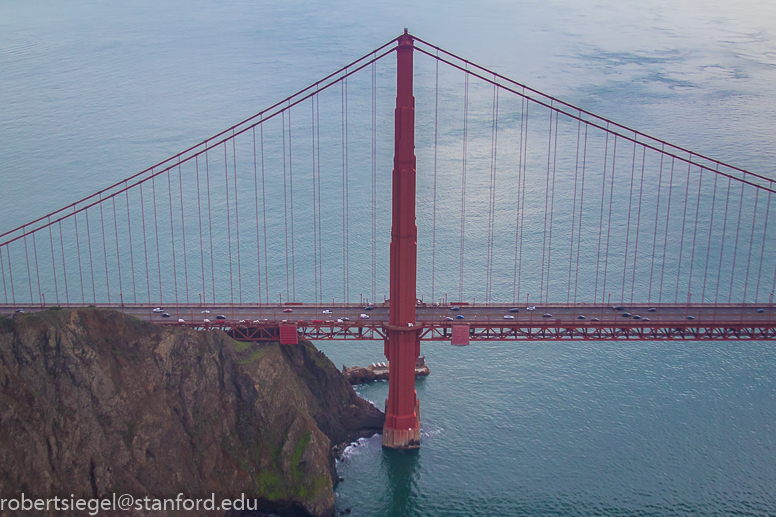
(491, 314)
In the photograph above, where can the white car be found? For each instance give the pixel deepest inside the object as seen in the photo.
(327, 311)
(206, 311)
(364, 316)
(181, 320)
(206, 320)
(158, 310)
(508, 317)
(531, 308)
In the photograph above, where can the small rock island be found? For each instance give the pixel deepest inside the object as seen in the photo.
(379, 372)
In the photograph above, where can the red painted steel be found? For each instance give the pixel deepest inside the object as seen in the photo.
(460, 335)
(288, 335)
(402, 413)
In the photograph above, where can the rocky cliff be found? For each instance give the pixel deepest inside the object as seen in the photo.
(94, 402)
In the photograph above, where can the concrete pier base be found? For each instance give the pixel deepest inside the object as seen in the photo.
(404, 438)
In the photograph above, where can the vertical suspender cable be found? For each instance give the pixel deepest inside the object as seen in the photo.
(657, 213)
(433, 210)
(573, 210)
(62, 248)
(78, 249)
(10, 273)
(264, 216)
(228, 226)
(315, 202)
(344, 196)
(201, 245)
(581, 203)
(735, 246)
(374, 183)
(609, 222)
(552, 204)
(515, 294)
(684, 220)
(210, 225)
(118, 254)
(104, 252)
(762, 251)
(256, 198)
(131, 253)
(145, 245)
(491, 195)
(601, 221)
(665, 238)
(237, 215)
(695, 233)
(183, 233)
(27, 259)
(8, 253)
(285, 208)
(751, 242)
(627, 226)
(638, 222)
(708, 244)
(156, 234)
(291, 199)
(172, 238)
(347, 199)
(2, 269)
(53, 264)
(463, 181)
(522, 200)
(722, 247)
(320, 226)
(91, 262)
(546, 205)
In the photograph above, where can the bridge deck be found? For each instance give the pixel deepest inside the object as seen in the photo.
(486, 322)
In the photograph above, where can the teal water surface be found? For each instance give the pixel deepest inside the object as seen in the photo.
(92, 91)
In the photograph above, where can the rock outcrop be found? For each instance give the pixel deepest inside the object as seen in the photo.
(94, 402)
(379, 372)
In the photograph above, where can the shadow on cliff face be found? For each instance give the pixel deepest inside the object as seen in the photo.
(94, 402)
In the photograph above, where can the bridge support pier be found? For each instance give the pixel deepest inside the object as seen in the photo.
(402, 348)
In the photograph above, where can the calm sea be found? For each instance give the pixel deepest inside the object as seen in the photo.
(92, 91)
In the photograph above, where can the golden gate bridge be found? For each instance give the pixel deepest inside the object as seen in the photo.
(565, 224)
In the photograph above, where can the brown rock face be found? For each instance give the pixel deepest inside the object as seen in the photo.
(93, 403)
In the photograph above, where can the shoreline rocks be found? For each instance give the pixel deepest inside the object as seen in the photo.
(94, 402)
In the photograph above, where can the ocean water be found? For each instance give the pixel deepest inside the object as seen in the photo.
(92, 91)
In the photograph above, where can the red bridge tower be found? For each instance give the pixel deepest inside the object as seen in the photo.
(402, 348)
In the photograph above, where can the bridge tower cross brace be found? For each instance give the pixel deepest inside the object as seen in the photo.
(402, 348)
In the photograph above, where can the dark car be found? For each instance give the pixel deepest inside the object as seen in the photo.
(546, 315)
(760, 310)
(220, 317)
(514, 309)
(165, 315)
(594, 319)
(460, 316)
(455, 308)
(626, 314)
(580, 317)
(690, 317)
(618, 307)
(652, 309)
(368, 308)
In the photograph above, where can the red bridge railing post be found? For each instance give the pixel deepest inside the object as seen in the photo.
(402, 348)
